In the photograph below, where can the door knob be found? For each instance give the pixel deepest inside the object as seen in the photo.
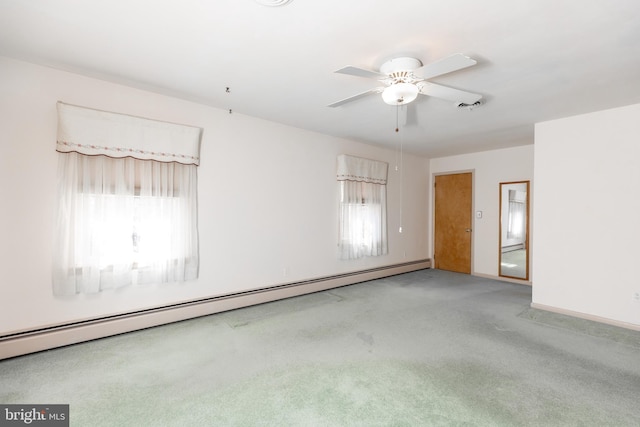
(468, 230)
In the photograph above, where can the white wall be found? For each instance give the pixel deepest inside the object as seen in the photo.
(267, 199)
(587, 203)
(489, 168)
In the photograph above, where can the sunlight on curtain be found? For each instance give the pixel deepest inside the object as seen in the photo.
(122, 222)
(517, 217)
(362, 207)
(127, 201)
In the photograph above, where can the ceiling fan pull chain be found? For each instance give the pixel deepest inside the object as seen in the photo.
(397, 121)
(399, 154)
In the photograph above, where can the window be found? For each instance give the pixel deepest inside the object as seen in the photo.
(122, 220)
(362, 207)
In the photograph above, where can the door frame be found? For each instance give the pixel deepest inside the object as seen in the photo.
(432, 214)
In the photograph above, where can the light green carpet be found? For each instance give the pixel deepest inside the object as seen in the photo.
(427, 348)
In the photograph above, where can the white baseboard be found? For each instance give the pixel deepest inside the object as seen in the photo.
(44, 339)
(586, 316)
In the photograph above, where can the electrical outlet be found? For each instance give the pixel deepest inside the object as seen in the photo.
(636, 296)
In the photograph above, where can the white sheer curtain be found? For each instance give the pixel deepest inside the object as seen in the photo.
(122, 222)
(127, 213)
(362, 207)
(517, 215)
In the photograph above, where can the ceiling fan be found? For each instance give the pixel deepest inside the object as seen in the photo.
(405, 78)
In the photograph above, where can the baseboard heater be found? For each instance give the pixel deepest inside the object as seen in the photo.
(32, 341)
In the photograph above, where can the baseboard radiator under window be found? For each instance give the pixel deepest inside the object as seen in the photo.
(512, 248)
(32, 341)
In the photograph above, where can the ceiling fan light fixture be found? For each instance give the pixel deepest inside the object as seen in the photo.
(400, 93)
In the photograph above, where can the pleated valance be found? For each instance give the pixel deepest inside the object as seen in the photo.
(352, 168)
(95, 132)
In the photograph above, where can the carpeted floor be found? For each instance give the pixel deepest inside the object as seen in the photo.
(429, 348)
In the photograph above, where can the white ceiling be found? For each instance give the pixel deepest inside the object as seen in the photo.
(537, 59)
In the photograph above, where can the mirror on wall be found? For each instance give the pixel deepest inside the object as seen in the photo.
(514, 230)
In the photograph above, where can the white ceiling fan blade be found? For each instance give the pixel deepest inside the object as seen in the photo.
(360, 72)
(358, 96)
(410, 115)
(407, 115)
(448, 93)
(446, 65)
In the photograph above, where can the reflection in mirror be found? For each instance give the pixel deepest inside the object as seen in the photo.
(514, 230)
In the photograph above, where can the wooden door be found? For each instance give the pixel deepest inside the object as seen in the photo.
(452, 222)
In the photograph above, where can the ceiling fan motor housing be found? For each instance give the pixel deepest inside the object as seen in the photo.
(400, 64)
(400, 80)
